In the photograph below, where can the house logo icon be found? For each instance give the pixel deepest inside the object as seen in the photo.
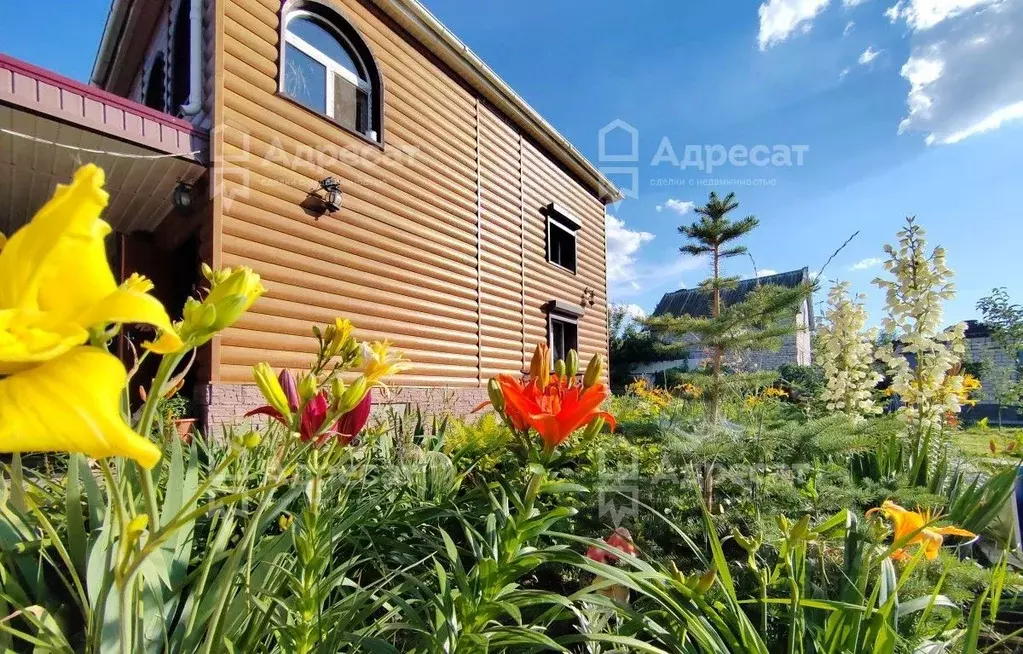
(631, 155)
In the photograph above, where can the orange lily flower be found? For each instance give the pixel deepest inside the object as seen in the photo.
(553, 406)
(555, 410)
(906, 522)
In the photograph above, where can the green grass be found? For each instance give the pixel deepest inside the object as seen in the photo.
(975, 442)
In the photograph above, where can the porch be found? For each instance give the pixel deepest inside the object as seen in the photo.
(50, 125)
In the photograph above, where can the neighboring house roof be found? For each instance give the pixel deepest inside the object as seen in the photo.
(697, 303)
(976, 329)
(424, 26)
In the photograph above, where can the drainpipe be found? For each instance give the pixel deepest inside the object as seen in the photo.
(195, 58)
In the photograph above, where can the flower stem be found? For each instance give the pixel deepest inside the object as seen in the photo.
(163, 373)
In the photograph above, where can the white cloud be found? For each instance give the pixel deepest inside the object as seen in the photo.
(780, 18)
(869, 55)
(925, 14)
(622, 246)
(865, 264)
(635, 311)
(965, 77)
(766, 272)
(849, 28)
(845, 71)
(681, 207)
(849, 4)
(993, 121)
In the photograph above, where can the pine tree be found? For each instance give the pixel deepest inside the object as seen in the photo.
(758, 322)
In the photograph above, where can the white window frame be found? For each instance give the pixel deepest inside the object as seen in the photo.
(329, 64)
(551, 317)
(552, 222)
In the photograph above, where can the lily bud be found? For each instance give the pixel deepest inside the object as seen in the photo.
(353, 395)
(593, 429)
(232, 293)
(290, 386)
(307, 387)
(337, 389)
(559, 368)
(251, 440)
(270, 387)
(593, 370)
(496, 396)
(706, 581)
(572, 363)
(540, 366)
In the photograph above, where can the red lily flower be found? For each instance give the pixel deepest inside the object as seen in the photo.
(350, 424)
(619, 539)
(314, 414)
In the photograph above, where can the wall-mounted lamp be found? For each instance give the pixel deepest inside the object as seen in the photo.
(183, 197)
(589, 296)
(331, 194)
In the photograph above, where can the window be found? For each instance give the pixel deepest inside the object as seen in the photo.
(561, 241)
(180, 55)
(326, 68)
(564, 336)
(156, 85)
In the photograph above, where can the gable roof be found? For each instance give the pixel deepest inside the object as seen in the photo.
(696, 303)
(414, 17)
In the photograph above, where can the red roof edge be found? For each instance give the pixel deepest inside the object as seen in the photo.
(98, 94)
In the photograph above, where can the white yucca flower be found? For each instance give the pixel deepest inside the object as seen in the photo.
(914, 294)
(846, 353)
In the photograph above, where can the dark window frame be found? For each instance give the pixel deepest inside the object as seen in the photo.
(561, 230)
(569, 325)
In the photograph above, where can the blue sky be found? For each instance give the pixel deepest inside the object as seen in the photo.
(834, 77)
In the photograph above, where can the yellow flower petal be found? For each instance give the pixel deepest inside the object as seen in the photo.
(63, 230)
(126, 306)
(28, 338)
(71, 404)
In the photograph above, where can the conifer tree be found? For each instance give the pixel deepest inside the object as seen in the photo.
(758, 322)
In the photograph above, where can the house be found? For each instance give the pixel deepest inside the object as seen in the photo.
(997, 366)
(354, 153)
(796, 347)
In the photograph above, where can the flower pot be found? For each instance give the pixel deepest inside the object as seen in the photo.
(184, 427)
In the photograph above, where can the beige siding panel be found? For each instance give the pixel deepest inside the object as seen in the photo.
(403, 257)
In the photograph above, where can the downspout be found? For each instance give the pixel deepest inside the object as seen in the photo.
(195, 59)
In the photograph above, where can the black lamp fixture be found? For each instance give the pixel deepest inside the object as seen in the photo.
(183, 197)
(331, 194)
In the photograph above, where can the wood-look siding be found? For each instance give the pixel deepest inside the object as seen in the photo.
(440, 244)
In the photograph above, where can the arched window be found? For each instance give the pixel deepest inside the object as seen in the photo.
(154, 96)
(327, 68)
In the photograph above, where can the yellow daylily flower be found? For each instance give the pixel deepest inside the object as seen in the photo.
(56, 283)
(71, 404)
(917, 523)
(379, 362)
(56, 287)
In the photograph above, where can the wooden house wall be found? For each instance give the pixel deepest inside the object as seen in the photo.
(441, 253)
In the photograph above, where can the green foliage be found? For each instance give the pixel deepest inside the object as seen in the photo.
(758, 322)
(630, 344)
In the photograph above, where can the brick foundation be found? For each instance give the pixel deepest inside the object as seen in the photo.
(225, 404)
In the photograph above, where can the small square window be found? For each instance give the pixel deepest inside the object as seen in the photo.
(560, 244)
(564, 335)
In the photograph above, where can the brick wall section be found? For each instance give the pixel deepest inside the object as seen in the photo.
(226, 404)
(985, 350)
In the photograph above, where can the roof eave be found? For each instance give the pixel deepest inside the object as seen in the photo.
(417, 19)
(108, 42)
